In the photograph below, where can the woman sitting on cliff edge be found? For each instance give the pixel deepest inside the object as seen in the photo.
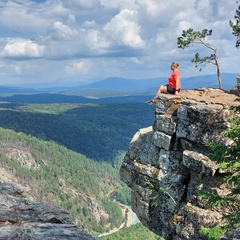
(174, 84)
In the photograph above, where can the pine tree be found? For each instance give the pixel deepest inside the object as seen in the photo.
(236, 26)
(199, 37)
(228, 160)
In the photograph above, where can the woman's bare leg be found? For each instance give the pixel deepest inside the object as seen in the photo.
(161, 89)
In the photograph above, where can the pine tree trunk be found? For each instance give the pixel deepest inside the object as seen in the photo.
(218, 69)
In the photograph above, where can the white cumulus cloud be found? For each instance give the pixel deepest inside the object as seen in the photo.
(123, 29)
(63, 31)
(22, 48)
(53, 39)
(78, 67)
(152, 7)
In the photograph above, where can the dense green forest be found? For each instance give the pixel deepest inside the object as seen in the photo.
(98, 131)
(70, 154)
(65, 178)
(136, 232)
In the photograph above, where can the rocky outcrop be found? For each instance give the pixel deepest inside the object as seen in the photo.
(167, 164)
(23, 219)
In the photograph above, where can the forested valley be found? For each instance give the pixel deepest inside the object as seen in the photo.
(69, 155)
(98, 131)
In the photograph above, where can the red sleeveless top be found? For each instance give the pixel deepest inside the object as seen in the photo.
(171, 79)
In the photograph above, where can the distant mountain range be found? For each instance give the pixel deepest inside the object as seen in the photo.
(112, 87)
(115, 86)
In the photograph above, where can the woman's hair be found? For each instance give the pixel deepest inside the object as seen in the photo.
(175, 64)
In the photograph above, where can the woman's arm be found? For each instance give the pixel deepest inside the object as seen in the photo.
(177, 79)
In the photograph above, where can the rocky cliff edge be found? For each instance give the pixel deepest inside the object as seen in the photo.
(24, 219)
(167, 164)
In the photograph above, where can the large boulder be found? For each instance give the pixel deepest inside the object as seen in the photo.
(24, 219)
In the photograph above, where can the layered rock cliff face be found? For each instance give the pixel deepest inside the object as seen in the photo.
(23, 219)
(167, 164)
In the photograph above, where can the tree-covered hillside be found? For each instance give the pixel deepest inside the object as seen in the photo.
(51, 150)
(98, 131)
(54, 174)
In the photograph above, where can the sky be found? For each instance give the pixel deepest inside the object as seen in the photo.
(82, 41)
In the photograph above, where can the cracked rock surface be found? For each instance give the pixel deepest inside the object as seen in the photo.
(23, 219)
(167, 164)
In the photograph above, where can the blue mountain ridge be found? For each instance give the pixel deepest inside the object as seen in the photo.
(123, 84)
(112, 89)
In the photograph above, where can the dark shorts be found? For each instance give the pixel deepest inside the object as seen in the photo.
(171, 90)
